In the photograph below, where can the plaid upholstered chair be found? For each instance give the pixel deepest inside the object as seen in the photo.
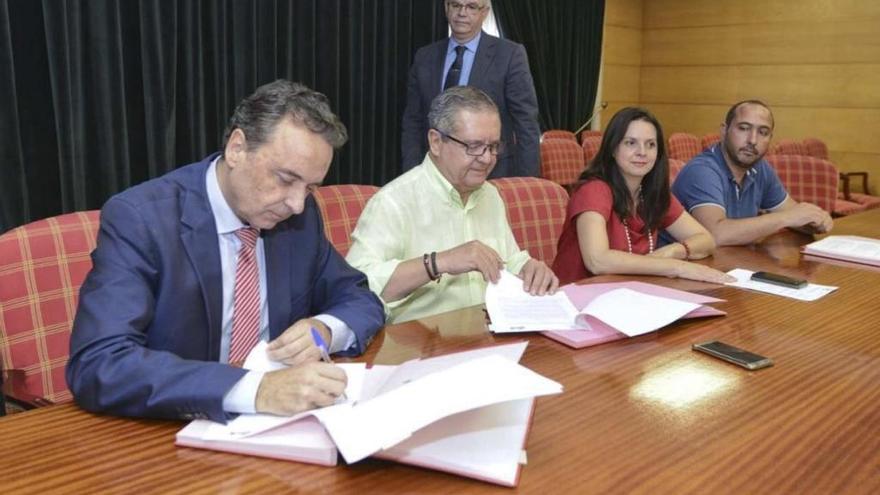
(536, 211)
(42, 265)
(817, 148)
(675, 167)
(807, 179)
(558, 134)
(590, 133)
(709, 140)
(590, 144)
(789, 147)
(683, 146)
(562, 161)
(340, 208)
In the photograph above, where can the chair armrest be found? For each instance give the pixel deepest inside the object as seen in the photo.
(846, 176)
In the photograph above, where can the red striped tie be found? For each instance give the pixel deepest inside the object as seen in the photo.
(246, 299)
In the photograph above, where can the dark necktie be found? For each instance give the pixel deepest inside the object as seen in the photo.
(454, 74)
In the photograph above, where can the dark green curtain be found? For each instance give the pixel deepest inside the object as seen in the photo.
(96, 96)
(563, 39)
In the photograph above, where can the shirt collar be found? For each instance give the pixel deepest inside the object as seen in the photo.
(719, 156)
(449, 192)
(225, 219)
(470, 45)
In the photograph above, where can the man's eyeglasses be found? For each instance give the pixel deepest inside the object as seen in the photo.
(476, 149)
(469, 8)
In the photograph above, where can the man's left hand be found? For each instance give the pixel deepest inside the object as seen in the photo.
(538, 278)
(296, 346)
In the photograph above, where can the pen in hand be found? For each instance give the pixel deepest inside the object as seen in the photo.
(325, 354)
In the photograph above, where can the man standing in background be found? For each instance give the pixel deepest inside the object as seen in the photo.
(470, 57)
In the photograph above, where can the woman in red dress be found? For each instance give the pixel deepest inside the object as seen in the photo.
(620, 205)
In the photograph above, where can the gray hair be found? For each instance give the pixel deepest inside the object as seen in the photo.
(446, 106)
(258, 114)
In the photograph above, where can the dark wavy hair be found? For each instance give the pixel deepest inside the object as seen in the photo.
(655, 185)
(258, 114)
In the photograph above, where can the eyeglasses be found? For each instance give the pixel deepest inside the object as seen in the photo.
(476, 149)
(469, 8)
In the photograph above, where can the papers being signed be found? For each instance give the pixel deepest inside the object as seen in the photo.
(629, 311)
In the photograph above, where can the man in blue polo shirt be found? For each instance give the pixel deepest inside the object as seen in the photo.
(734, 192)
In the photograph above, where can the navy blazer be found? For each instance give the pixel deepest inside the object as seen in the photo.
(146, 337)
(501, 69)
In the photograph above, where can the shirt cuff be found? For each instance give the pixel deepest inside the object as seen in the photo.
(341, 336)
(242, 397)
(516, 262)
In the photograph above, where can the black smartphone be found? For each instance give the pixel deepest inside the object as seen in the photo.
(781, 280)
(735, 355)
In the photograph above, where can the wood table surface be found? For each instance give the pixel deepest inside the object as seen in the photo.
(640, 415)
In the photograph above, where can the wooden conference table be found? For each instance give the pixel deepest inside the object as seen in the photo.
(641, 415)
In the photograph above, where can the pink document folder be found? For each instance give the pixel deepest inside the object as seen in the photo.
(599, 333)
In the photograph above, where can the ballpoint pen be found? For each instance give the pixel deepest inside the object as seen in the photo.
(325, 354)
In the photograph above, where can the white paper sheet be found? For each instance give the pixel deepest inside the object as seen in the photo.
(809, 293)
(635, 313)
(395, 415)
(847, 247)
(628, 311)
(514, 310)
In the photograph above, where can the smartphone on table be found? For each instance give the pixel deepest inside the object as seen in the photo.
(733, 354)
(781, 280)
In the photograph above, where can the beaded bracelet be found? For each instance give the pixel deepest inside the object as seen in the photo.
(687, 250)
(434, 266)
(428, 267)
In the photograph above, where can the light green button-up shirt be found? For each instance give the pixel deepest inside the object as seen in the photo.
(420, 212)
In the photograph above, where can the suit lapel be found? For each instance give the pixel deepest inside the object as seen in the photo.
(277, 280)
(482, 59)
(436, 70)
(199, 238)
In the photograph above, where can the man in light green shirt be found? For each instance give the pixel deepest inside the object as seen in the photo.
(431, 239)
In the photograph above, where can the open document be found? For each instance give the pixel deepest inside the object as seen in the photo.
(848, 248)
(590, 314)
(629, 311)
(467, 413)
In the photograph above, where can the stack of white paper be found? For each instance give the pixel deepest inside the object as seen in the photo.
(466, 413)
(848, 248)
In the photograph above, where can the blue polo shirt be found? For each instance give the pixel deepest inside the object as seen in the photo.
(706, 180)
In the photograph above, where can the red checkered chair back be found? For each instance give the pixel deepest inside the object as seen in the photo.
(709, 140)
(536, 211)
(562, 161)
(789, 147)
(341, 206)
(590, 144)
(558, 134)
(683, 146)
(816, 148)
(807, 179)
(590, 133)
(42, 266)
(675, 167)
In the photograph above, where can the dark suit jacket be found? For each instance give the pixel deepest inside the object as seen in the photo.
(501, 69)
(146, 337)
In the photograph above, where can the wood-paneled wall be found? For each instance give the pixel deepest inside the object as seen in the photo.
(815, 62)
(621, 56)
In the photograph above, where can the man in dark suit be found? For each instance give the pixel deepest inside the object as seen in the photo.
(192, 269)
(471, 57)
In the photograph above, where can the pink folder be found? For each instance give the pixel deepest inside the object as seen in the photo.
(599, 333)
